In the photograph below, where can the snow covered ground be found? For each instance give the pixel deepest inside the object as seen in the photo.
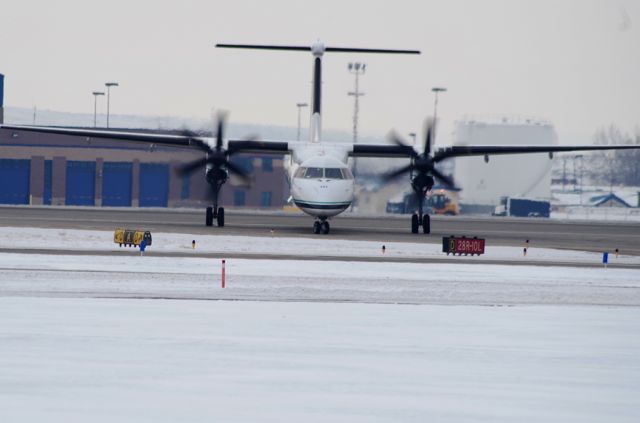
(99, 360)
(310, 280)
(106, 338)
(572, 205)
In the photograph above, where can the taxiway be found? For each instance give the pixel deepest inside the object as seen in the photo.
(592, 236)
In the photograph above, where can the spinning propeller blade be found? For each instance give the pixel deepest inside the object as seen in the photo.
(189, 168)
(422, 164)
(446, 180)
(428, 128)
(398, 172)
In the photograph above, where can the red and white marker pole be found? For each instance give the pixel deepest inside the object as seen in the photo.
(223, 271)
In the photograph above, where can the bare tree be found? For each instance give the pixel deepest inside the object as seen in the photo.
(619, 167)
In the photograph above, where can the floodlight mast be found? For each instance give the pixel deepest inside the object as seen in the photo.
(356, 69)
(109, 85)
(317, 50)
(95, 107)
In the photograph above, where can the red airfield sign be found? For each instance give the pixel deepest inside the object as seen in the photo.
(462, 245)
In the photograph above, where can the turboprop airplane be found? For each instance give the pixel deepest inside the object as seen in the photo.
(317, 170)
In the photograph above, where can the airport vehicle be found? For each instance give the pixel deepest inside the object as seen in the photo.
(522, 207)
(440, 201)
(444, 202)
(321, 182)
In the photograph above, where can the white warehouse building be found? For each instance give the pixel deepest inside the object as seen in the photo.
(524, 175)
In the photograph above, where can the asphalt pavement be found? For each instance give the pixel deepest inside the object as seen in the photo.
(550, 233)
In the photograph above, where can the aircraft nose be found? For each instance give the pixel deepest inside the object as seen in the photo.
(331, 191)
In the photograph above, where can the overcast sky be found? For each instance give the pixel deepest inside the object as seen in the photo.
(576, 63)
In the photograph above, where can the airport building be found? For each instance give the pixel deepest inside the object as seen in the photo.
(525, 175)
(49, 169)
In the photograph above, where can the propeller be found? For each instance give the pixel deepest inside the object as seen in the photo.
(422, 164)
(216, 156)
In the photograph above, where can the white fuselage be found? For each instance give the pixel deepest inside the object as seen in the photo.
(319, 177)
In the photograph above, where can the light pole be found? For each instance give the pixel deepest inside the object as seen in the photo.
(436, 90)
(109, 85)
(357, 69)
(300, 106)
(95, 107)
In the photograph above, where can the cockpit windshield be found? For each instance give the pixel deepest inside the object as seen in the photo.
(323, 173)
(313, 173)
(333, 173)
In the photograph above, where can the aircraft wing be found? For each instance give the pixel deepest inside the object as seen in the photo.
(464, 151)
(400, 151)
(258, 147)
(144, 137)
(381, 150)
(188, 139)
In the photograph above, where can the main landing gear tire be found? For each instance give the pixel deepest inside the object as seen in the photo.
(426, 224)
(415, 224)
(321, 227)
(220, 216)
(209, 219)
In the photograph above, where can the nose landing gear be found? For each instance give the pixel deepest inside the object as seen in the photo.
(321, 226)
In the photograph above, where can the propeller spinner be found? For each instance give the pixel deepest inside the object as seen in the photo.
(217, 157)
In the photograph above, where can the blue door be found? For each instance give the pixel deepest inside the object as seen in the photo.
(154, 184)
(116, 184)
(14, 181)
(80, 184)
(46, 193)
(239, 197)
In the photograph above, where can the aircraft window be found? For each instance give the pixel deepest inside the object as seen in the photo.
(333, 173)
(313, 173)
(300, 172)
(346, 174)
